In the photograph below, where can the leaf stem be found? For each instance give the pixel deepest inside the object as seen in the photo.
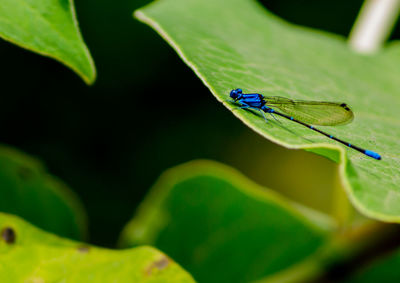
(373, 25)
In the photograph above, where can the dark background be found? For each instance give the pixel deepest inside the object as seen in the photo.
(108, 144)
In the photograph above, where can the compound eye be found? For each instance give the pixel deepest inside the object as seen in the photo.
(239, 90)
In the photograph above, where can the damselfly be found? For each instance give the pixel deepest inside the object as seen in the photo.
(306, 113)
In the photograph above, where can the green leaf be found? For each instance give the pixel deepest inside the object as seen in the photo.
(240, 45)
(28, 254)
(50, 28)
(222, 227)
(385, 270)
(27, 190)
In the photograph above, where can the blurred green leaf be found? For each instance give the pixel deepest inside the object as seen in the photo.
(231, 44)
(28, 254)
(50, 28)
(384, 270)
(28, 191)
(222, 227)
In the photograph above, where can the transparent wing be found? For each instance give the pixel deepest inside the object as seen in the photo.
(313, 112)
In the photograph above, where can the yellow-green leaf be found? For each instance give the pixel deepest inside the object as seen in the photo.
(28, 254)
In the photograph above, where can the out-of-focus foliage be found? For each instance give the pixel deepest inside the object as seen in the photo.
(384, 270)
(222, 227)
(31, 255)
(27, 190)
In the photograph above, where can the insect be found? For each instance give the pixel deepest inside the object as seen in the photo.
(306, 113)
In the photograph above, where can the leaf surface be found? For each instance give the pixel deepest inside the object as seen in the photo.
(238, 44)
(50, 28)
(27, 190)
(28, 254)
(221, 227)
(384, 270)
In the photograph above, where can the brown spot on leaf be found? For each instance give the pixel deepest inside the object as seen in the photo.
(160, 264)
(83, 249)
(8, 235)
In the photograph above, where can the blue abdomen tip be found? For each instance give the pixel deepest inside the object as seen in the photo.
(373, 154)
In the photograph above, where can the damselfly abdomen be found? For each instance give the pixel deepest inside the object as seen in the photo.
(306, 113)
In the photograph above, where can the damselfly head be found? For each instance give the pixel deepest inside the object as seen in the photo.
(235, 93)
